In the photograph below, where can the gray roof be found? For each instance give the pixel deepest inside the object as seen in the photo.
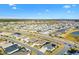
(11, 48)
(49, 46)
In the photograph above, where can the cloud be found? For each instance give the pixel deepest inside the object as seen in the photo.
(39, 13)
(14, 8)
(47, 10)
(69, 11)
(67, 6)
(73, 5)
(12, 5)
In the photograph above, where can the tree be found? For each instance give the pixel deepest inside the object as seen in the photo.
(1, 52)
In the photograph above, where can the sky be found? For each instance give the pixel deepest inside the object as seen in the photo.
(39, 11)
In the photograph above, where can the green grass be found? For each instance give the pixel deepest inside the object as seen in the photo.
(33, 53)
(30, 43)
(48, 52)
(37, 46)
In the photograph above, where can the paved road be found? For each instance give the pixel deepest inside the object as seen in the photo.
(66, 47)
(38, 52)
(25, 45)
(66, 43)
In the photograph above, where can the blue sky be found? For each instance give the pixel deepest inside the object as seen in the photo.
(40, 11)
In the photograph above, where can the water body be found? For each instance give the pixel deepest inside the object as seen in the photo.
(76, 33)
